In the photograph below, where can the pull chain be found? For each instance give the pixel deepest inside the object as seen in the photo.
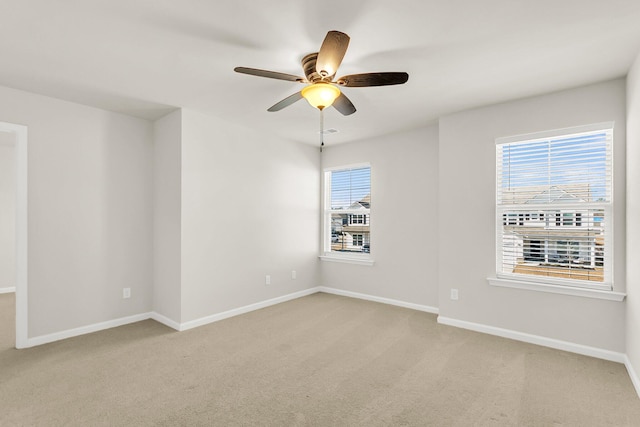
(321, 129)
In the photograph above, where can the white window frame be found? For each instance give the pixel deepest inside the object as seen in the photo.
(327, 254)
(602, 290)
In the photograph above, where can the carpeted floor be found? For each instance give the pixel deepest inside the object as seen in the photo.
(321, 360)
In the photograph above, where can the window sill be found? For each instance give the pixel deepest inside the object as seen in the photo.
(347, 260)
(557, 289)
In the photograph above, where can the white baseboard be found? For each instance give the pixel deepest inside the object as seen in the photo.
(635, 380)
(242, 310)
(506, 333)
(389, 301)
(7, 290)
(165, 320)
(57, 336)
(535, 339)
(44, 339)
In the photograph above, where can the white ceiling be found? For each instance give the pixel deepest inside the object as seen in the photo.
(146, 57)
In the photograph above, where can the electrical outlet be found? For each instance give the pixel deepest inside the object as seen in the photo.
(294, 275)
(454, 294)
(267, 279)
(126, 293)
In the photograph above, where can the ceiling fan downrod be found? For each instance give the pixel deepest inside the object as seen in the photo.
(321, 129)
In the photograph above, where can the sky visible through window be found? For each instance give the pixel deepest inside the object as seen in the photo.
(575, 159)
(349, 186)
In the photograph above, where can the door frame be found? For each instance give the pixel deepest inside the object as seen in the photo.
(21, 221)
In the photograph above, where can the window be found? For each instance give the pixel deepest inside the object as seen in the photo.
(563, 183)
(357, 219)
(347, 217)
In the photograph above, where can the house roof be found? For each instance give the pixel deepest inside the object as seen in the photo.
(542, 194)
(364, 203)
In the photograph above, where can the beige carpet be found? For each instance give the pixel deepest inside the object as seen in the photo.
(321, 360)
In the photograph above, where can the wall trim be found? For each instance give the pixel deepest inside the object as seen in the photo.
(96, 327)
(70, 333)
(413, 306)
(635, 379)
(491, 330)
(599, 353)
(164, 320)
(22, 231)
(347, 260)
(556, 289)
(246, 309)
(7, 290)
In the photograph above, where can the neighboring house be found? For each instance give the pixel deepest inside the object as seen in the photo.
(568, 239)
(350, 231)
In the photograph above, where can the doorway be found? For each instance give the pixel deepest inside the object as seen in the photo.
(14, 146)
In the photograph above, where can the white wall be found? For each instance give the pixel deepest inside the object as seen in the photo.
(7, 210)
(404, 243)
(633, 219)
(230, 205)
(90, 211)
(249, 208)
(167, 176)
(467, 218)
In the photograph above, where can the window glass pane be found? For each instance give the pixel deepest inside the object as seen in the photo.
(351, 188)
(561, 170)
(348, 237)
(565, 251)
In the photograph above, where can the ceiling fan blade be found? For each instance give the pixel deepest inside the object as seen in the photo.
(331, 53)
(344, 105)
(373, 79)
(286, 102)
(269, 74)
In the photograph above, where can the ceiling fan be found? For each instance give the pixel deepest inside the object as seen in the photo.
(320, 69)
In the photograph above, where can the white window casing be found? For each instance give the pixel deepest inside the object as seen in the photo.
(347, 214)
(554, 207)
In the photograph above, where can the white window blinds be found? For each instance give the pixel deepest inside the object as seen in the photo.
(554, 208)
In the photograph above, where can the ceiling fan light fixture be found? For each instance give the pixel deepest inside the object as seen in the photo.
(320, 68)
(320, 95)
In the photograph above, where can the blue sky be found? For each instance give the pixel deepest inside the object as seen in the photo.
(349, 186)
(566, 160)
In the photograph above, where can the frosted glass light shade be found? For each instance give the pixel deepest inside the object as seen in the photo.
(320, 95)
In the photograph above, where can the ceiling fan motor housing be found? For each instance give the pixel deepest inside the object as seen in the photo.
(309, 67)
